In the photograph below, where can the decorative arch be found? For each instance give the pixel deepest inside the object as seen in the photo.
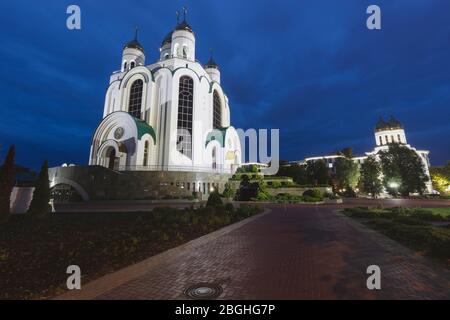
(84, 195)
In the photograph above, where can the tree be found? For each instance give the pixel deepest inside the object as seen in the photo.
(441, 178)
(347, 173)
(370, 177)
(317, 172)
(7, 177)
(295, 171)
(41, 196)
(250, 190)
(403, 171)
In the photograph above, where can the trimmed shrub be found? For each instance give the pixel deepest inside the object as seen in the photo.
(313, 193)
(311, 199)
(214, 200)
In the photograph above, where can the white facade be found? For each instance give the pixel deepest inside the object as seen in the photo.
(170, 115)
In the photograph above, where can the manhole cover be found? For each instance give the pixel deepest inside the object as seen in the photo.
(203, 291)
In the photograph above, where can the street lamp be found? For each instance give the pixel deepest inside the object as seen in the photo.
(393, 185)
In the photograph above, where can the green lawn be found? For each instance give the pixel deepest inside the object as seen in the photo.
(425, 230)
(445, 212)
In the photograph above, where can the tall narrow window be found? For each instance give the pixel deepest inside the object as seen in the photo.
(134, 105)
(381, 140)
(145, 162)
(217, 108)
(132, 64)
(184, 124)
(214, 159)
(399, 138)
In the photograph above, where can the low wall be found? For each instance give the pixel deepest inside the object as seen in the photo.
(99, 183)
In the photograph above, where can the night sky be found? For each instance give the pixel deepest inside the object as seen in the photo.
(310, 68)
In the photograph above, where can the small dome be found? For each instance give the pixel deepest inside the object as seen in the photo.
(381, 125)
(184, 26)
(395, 124)
(134, 44)
(392, 124)
(167, 39)
(211, 64)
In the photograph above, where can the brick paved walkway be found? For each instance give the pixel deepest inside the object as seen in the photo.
(293, 252)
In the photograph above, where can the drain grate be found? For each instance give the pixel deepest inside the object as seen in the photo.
(203, 291)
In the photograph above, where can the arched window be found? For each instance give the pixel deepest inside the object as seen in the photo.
(185, 50)
(134, 105)
(184, 124)
(145, 162)
(175, 50)
(217, 111)
(132, 64)
(214, 159)
(125, 66)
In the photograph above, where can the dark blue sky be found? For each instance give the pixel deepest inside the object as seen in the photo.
(310, 68)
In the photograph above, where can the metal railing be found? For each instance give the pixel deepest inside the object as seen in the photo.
(208, 169)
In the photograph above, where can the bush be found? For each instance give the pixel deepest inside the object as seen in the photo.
(331, 196)
(276, 184)
(313, 193)
(229, 207)
(426, 215)
(349, 193)
(311, 199)
(228, 192)
(214, 200)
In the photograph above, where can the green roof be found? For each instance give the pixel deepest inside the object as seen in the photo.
(143, 128)
(216, 134)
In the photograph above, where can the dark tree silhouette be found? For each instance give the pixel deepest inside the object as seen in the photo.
(7, 177)
(41, 196)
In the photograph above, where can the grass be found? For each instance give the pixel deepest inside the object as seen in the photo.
(35, 253)
(445, 212)
(425, 230)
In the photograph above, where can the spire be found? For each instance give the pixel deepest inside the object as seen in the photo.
(134, 43)
(184, 13)
(136, 33)
(211, 63)
(183, 25)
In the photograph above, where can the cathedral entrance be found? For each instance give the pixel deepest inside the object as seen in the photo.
(111, 158)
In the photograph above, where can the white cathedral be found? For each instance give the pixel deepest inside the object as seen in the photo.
(385, 133)
(170, 115)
